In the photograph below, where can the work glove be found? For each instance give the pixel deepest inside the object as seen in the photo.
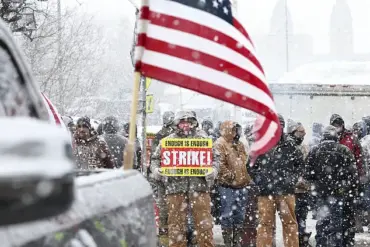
(157, 174)
(211, 177)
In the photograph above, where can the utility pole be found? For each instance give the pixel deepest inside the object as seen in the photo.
(286, 35)
(59, 50)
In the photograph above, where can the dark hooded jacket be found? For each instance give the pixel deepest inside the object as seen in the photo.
(116, 142)
(331, 167)
(317, 129)
(348, 139)
(277, 171)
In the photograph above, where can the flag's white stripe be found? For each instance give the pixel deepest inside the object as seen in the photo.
(198, 43)
(200, 17)
(139, 51)
(266, 138)
(207, 74)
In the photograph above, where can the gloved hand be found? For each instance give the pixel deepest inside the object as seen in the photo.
(157, 174)
(210, 177)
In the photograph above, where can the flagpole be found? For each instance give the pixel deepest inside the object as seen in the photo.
(129, 151)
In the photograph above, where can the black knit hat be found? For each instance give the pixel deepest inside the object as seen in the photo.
(85, 121)
(336, 118)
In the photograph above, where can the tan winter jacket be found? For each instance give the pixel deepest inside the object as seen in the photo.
(233, 158)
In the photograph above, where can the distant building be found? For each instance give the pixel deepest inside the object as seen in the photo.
(341, 31)
(284, 49)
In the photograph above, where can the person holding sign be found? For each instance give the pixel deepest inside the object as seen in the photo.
(187, 162)
(233, 179)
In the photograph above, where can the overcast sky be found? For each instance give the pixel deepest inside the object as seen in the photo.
(309, 16)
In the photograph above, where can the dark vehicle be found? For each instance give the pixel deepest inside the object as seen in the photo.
(38, 182)
(29, 189)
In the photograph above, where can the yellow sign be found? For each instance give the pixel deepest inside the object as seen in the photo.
(185, 172)
(148, 82)
(149, 103)
(186, 143)
(186, 157)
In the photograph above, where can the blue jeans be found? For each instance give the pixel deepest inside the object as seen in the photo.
(233, 205)
(335, 222)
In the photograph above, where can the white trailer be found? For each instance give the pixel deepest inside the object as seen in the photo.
(314, 92)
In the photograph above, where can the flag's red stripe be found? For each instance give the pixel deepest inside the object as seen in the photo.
(206, 88)
(55, 115)
(144, 13)
(271, 143)
(242, 30)
(205, 32)
(205, 60)
(262, 130)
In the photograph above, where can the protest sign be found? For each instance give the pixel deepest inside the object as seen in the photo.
(186, 157)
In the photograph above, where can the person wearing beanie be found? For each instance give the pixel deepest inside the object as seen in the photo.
(331, 169)
(116, 142)
(359, 129)
(296, 132)
(275, 175)
(90, 151)
(317, 129)
(348, 139)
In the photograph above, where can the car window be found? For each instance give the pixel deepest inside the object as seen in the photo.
(14, 99)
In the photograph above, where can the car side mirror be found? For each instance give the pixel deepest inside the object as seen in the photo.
(37, 170)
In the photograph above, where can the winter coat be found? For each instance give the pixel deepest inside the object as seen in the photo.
(232, 169)
(92, 153)
(365, 144)
(175, 185)
(317, 130)
(331, 167)
(116, 144)
(164, 132)
(349, 140)
(277, 171)
(315, 140)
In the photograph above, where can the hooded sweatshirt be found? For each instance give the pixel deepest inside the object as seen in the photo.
(233, 158)
(116, 142)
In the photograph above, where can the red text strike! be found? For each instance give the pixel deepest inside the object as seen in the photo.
(186, 158)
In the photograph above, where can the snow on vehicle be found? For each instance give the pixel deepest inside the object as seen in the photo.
(37, 179)
(313, 92)
(30, 189)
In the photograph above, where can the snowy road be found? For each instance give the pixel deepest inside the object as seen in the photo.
(362, 239)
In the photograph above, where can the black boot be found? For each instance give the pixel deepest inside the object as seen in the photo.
(227, 234)
(304, 240)
(237, 236)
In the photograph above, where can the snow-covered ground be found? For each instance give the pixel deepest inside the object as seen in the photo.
(362, 239)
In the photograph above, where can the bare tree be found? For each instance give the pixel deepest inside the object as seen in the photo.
(22, 15)
(76, 70)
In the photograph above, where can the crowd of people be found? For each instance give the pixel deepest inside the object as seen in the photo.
(327, 177)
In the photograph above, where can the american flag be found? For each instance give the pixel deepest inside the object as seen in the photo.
(199, 45)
